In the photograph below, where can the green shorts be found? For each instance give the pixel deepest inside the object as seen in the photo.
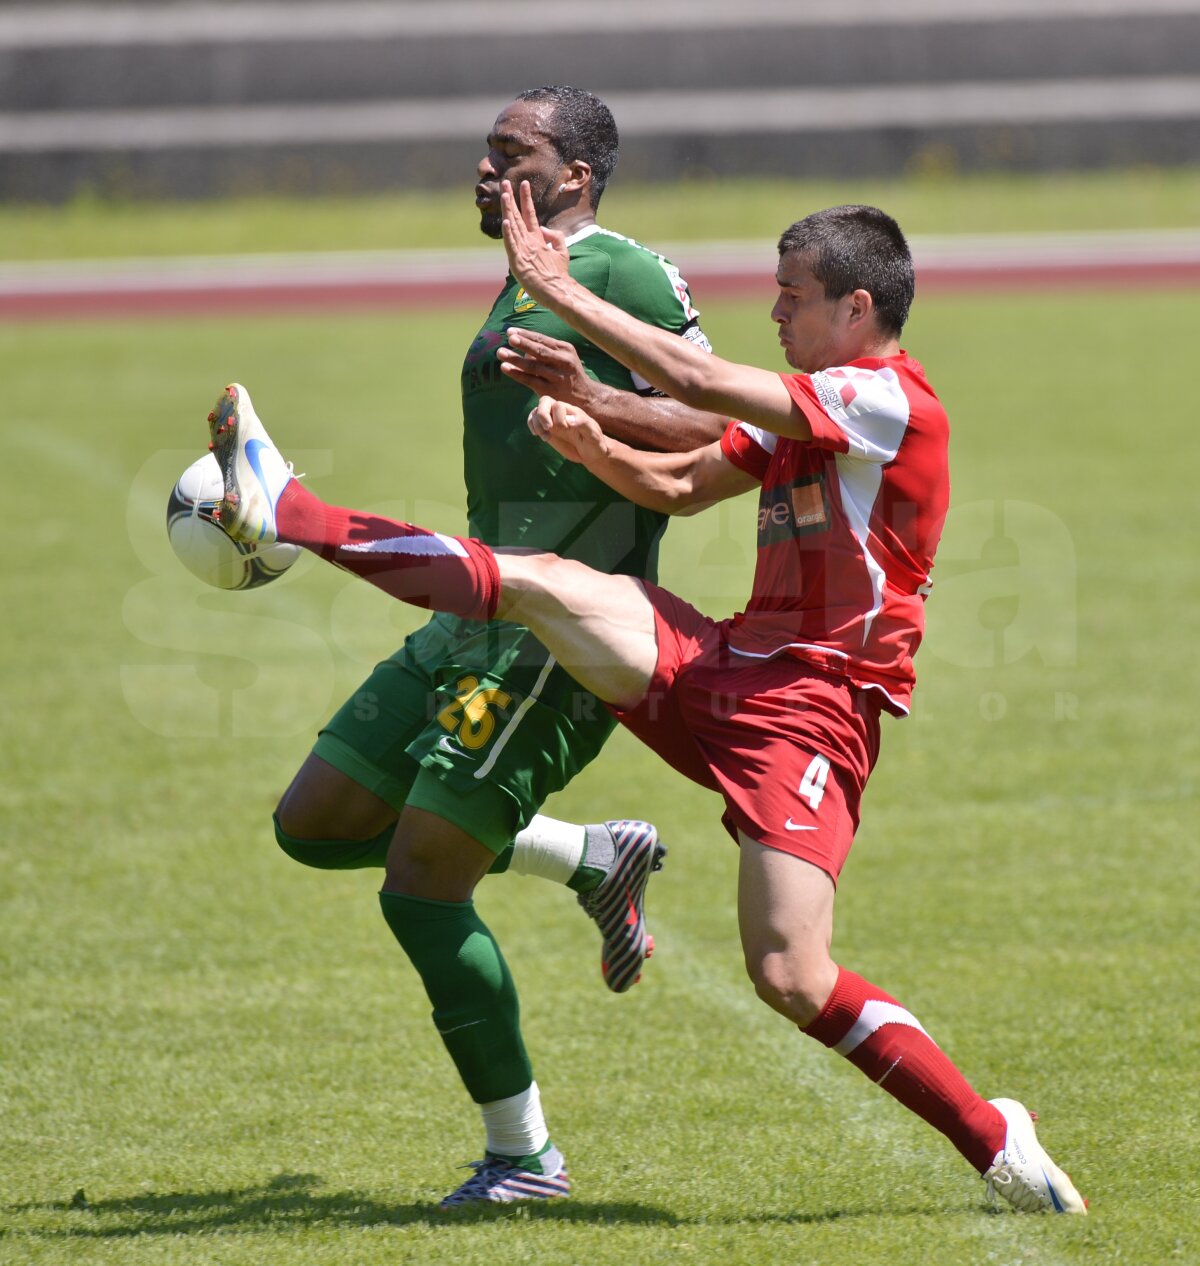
(474, 722)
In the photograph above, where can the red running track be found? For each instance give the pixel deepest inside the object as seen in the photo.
(366, 281)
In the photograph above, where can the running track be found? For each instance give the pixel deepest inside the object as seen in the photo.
(413, 279)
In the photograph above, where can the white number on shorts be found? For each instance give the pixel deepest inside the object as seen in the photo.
(812, 785)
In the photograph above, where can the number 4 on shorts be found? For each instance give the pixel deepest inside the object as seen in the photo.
(812, 785)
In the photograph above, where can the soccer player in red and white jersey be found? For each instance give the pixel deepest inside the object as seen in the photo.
(777, 708)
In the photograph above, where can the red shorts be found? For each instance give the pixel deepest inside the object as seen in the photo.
(788, 745)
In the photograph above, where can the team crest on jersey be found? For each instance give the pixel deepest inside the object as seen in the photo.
(795, 509)
(522, 301)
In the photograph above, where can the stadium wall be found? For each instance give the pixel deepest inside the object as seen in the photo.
(206, 99)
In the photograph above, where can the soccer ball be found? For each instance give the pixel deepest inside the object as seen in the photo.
(202, 546)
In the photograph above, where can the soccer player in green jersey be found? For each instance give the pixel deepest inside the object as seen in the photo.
(436, 767)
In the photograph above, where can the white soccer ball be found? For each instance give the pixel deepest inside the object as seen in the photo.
(202, 546)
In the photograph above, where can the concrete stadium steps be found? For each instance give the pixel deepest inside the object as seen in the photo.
(204, 99)
(223, 55)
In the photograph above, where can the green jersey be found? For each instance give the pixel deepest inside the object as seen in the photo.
(477, 723)
(520, 492)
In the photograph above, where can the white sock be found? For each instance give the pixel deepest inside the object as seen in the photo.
(549, 848)
(515, 1126)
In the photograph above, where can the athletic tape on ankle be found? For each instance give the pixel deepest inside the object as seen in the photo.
(515, 1126)
(549, 849)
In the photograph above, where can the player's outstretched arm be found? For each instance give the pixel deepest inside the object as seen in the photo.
(538, 259)
(552, 367)
(672, 483)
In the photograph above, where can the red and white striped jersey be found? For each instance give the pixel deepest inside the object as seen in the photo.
(848, 523)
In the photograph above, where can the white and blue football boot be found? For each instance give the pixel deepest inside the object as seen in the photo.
(1023, 1173)
(252, 468)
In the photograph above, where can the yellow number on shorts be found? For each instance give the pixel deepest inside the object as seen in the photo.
(469, 713)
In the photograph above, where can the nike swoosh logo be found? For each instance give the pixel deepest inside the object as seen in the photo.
(1058, 1207)
(253, 448)
(789, 825)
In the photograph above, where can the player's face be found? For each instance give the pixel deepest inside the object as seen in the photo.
(812, 328)
(519, 149)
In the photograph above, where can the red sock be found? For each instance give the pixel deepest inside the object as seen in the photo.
(879, 1037)
(442, 573)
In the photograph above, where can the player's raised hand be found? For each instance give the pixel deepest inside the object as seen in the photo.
(549, 366)
(537, 256)
(568, 430)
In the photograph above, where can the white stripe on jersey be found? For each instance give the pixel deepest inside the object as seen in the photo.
(860, 482)
(787, 646)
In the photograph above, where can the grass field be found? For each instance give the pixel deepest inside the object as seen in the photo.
(1139, 198)
(210, 1055)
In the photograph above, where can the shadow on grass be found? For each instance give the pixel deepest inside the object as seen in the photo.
(825, 1216)
(296, 1200)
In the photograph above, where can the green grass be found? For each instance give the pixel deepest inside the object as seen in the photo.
(227, 1055)
(935, 202)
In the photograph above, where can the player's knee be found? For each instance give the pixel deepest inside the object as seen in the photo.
(539, 582)
(414, 869)
(288, 823)
(322, 803)
(332, 854)
(433, 859)
(301, 816)
(297, 849)
(796, 989)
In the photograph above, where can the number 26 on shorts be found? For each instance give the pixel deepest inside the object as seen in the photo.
(469, 714)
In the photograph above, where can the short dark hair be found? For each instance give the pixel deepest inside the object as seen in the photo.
(857, 248)
(582, 127)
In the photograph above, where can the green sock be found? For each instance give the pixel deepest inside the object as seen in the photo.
(548, 1160)
(475, 1007)
(599, 853)
(336, 854)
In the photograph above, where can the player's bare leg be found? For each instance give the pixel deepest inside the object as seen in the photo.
(785, 916)
(785, 911)
(600, 628)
